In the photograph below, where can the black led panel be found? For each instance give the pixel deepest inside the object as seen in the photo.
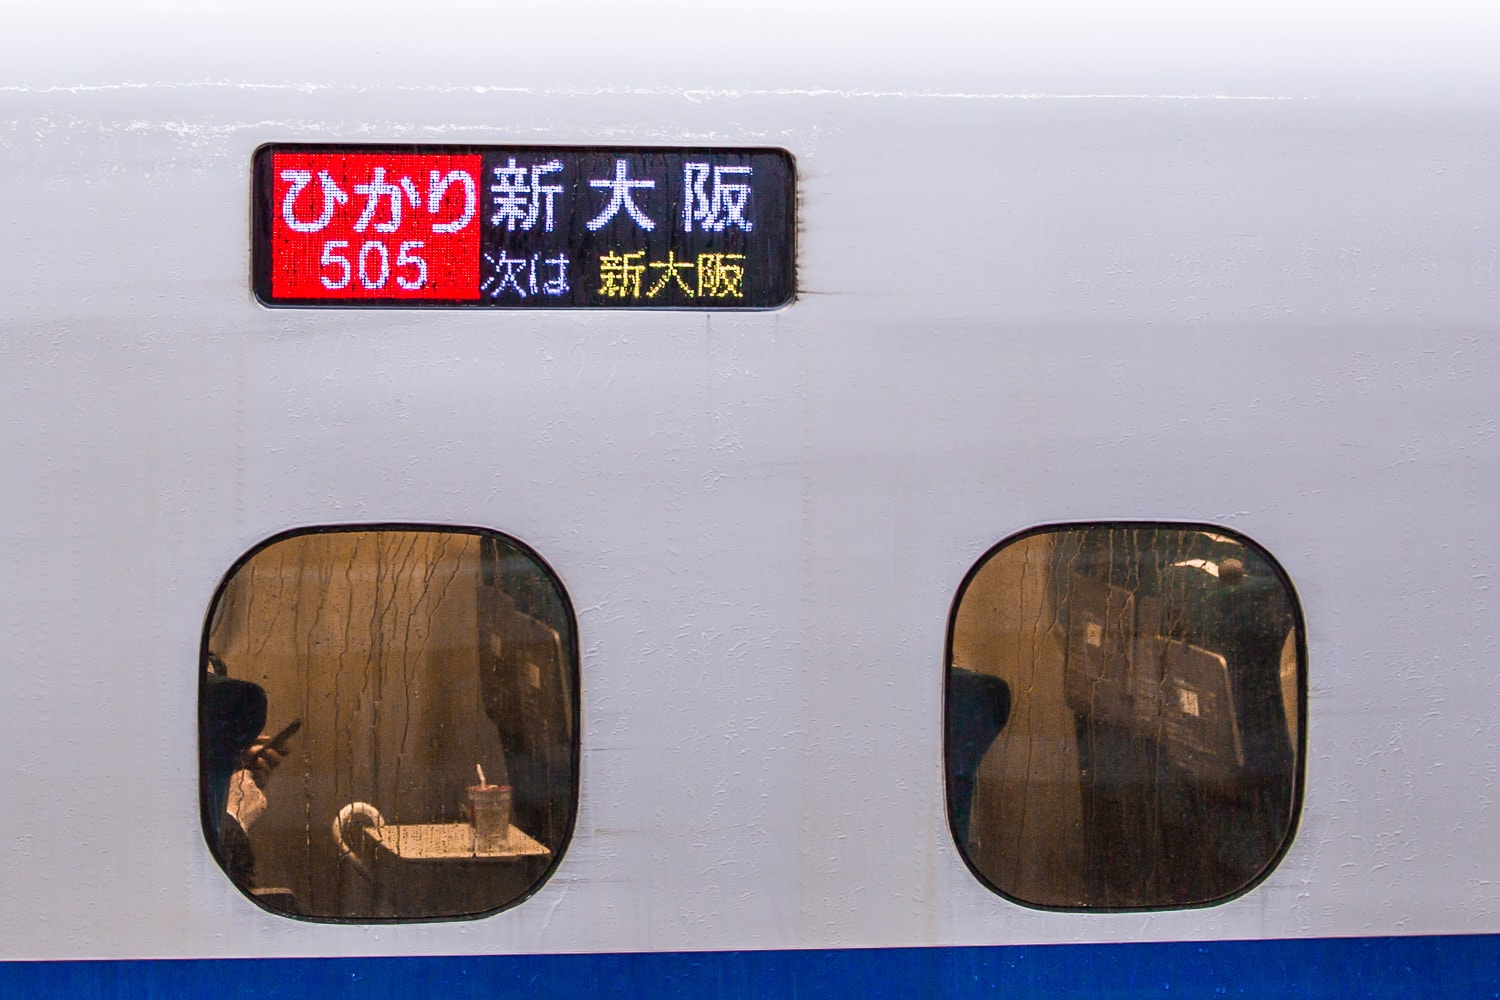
(531, 227)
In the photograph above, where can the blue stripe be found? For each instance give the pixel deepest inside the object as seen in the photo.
(1404, 968)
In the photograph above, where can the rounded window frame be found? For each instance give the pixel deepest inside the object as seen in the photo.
(573, 666)
(1299, 744)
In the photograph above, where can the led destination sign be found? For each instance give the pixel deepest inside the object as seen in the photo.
(523, 227)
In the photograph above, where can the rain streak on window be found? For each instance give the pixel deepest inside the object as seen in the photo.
(388, 723)
(1123, 716)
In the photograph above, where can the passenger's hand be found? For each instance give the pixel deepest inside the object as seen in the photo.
(261, 759)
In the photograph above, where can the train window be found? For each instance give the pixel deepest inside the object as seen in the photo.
(1122, 716)
(388, 723)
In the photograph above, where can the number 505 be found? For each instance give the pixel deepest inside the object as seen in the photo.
(373, 265)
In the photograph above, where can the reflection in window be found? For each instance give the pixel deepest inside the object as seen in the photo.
(388, 723)
(1122, 711)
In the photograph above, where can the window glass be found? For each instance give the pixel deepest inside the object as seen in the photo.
(388, 723)
(1122, 716)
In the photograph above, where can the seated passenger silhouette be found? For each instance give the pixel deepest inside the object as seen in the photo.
(978, 706)
(235, 763)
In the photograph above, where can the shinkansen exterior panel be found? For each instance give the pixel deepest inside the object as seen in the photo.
(748, 500)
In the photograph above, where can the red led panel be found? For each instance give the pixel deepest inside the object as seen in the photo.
(375, 226)
(523, 227)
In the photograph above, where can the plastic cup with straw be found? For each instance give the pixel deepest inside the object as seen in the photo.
(489, 812)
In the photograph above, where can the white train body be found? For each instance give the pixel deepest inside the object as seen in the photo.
(1237, 268)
